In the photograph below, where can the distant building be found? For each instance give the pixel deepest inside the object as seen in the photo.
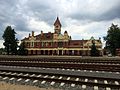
(57, 43)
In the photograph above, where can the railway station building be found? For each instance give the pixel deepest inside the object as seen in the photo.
(57, 43)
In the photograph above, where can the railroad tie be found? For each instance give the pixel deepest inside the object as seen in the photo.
(3, 73)
(35, 81)
(19, 79)
(27, 80)
(25, 67)
(20, 74)
(53, 77)
(39, 68)
(107, 88)
(62, 84)
(8, 73)
(30, 67)
(95, 87)
(14, 66)
(73, 69)
(86, 80)
(60, 77)
(34, 68)
(83, 86)
(43, 82)
(58, 69)
(91, 71)
(116, 82)
(13, 73)
(97, 71)
(96, 81)
(26, 74)
(117, 73)
(77, 79)
(5, 78)
(72, 85)
(39, 75)
(46, 76)
(105, 82)
(43, 68)
(68, 69)
(32, 75)
(12, 79)
(52, 83)
(68, 78)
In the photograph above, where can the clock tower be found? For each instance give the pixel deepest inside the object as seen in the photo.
(57, 26)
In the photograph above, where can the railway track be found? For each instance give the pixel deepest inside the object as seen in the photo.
(61, 81)
(82, 66)
(64, 73)
(61, 59)
(99, 64)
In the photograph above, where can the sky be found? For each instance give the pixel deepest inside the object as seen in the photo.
(81, 18)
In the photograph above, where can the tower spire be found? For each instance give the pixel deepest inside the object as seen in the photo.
(57, 22)
(57, 26)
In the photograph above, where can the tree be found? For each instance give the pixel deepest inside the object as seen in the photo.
(112, 39)
(94, 51)
(10, 42)
(2, 51)
(22, 50)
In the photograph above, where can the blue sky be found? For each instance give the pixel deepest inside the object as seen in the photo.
(81, 18)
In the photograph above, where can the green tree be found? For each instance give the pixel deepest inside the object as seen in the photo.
(94, 51)
(112, 39)
(10, 42)
(2, 50)
(22, 50)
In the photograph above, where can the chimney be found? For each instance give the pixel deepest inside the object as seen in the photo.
(65, 33)
(29, 34)
(41, 33)
(33, 33)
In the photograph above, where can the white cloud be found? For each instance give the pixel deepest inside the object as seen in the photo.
(1, 43)
(96, 29)
(22, 34)
(81, 18)
(39, 25)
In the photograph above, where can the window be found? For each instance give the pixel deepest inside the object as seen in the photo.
(37, 44)
(32, 44)
(60, 44)
(42, 44)
(27, 44)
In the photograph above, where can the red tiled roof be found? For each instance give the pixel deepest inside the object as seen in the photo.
(45, 36)
(76, 43)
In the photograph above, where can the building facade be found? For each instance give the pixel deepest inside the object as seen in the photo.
(58, 44)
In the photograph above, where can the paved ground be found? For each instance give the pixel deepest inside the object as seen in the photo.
(7, 86)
